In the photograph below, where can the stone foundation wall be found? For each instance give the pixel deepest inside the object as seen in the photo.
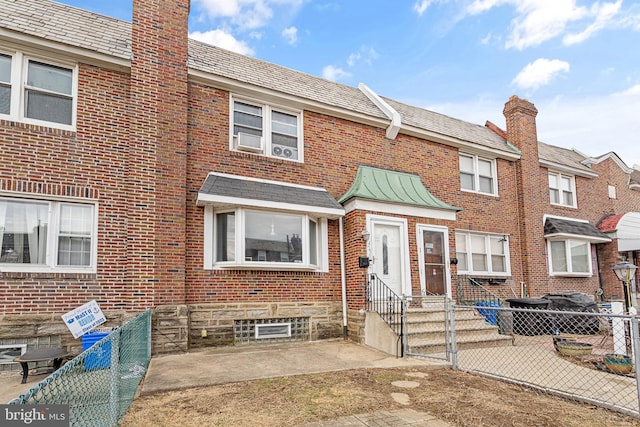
(170, 329)
(355, 325)
(325, 319)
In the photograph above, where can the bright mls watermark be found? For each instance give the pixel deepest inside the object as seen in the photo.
(34, 415)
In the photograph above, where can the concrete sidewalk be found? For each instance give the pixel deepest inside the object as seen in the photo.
(234, 364)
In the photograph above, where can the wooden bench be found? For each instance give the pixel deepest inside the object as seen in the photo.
(41, 355)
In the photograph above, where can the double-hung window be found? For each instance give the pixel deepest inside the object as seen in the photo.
(40, 235)
(480, 253)
(562, 189)
(570, 257)
(264, 239)
(37, 91)
(265, 129)
(477, 174)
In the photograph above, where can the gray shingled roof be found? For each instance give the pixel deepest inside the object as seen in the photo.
(67, 25)
(238, 188)
(562, 156)
(245, 69)
(576, 228)
(445, 125)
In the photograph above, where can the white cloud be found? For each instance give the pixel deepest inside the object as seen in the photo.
(540, 72)
(604, 14)
(480, 6)
(222, 39)
(245, 14)
(537, 21)
(421, 6)
(333, 73)
(290, 34)
(365, 54)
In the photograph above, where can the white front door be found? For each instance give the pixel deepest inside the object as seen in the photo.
(388, 248)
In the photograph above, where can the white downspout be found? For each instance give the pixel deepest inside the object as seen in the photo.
(388, 110)
(343, 277)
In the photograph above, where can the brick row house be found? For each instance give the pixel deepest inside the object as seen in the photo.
(235, 197)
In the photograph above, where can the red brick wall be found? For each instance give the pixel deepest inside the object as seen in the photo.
(90, 163)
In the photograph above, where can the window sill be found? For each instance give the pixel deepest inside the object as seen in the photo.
(269, 267)
(575, 275)
(479, 193)
(560, 205)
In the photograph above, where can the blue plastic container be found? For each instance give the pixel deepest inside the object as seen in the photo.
(491, 315)
(99, 358)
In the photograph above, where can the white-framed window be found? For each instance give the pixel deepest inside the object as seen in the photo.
(482, 253)
(612, 191)
(263, 239)
(37, 91)
(266, 129)
(562, 189)
(570, 257)
(477, 174)
(42, 235)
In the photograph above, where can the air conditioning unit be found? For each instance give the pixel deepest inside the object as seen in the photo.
(248, 142)
(284, 151)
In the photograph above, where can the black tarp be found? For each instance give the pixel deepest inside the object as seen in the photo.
(573, 324)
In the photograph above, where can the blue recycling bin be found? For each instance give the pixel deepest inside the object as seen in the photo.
(491, 315)
(100, 357)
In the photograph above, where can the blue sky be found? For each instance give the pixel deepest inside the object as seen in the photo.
(578, 61)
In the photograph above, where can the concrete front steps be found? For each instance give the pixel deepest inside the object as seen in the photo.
(426, 330)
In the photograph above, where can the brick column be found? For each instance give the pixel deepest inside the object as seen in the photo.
(532, 184)
(157, 157)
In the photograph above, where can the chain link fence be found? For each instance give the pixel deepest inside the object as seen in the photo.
(585, 356)
(100, 383)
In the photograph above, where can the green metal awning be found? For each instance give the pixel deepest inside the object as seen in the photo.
(385, 185)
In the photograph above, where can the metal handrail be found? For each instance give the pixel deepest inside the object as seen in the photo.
(389, 305)
(469, 292)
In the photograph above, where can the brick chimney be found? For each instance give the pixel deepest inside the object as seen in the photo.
(158, 151)
(532, 183)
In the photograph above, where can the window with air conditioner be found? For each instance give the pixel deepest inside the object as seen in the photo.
(266, 129)
(37, 91)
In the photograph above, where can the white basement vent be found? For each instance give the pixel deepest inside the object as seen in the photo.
(273, 330)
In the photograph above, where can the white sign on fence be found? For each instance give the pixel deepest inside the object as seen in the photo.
(84, 318)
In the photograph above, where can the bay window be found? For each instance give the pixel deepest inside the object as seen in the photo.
(38, 235)
(570, 257)
(266, 239)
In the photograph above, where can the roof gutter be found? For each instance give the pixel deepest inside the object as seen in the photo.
(396, 121)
